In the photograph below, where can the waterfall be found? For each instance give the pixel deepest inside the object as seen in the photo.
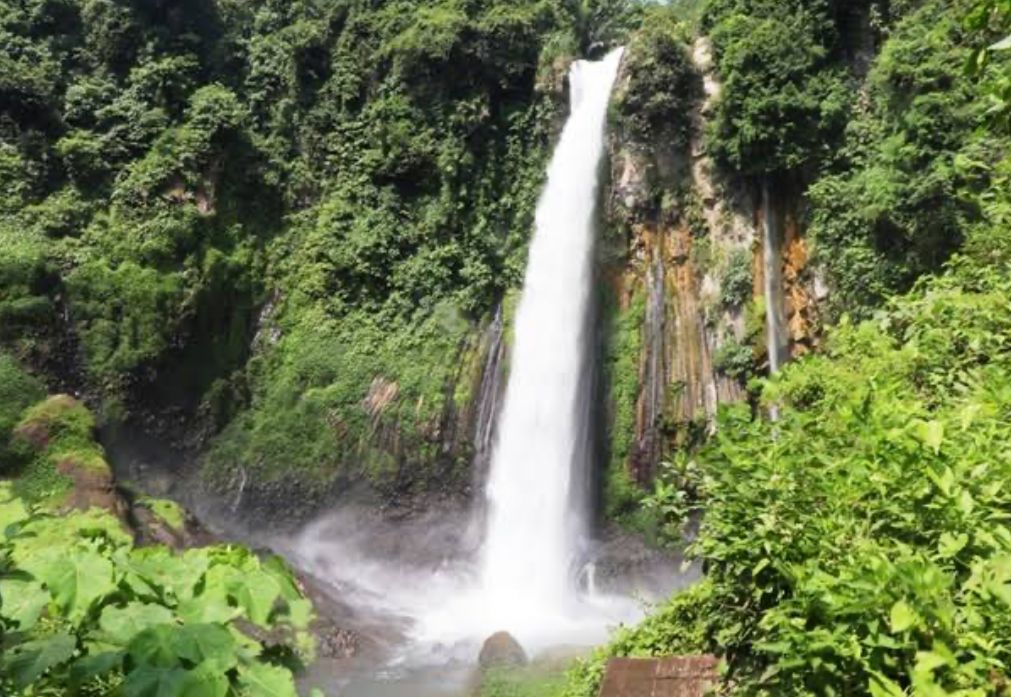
(488, 394)
(535, 494)
(772, 258)
(536, 575)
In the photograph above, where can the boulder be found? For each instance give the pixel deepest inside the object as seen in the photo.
(501, 650)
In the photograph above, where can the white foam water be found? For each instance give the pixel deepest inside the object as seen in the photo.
(537, 501)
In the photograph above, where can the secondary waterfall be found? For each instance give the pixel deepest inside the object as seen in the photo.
(772, 258)
(536, 496)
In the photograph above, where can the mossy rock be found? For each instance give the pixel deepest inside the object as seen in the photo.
(62, 466)
(160, 521)
(168, 512)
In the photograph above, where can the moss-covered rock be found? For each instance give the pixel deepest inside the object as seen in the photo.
(60, 462)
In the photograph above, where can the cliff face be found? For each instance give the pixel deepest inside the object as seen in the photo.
(683, 255)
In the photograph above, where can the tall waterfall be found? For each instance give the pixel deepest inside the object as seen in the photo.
(772, 251)
(526, 577)
(536, 498)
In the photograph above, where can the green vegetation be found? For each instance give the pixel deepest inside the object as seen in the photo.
(899, 198)
(530, 681)
(288, 222)
(663, 84)
(18, 390)
(54, 445)
(621, 372)
(737, 283)
(83, 612)
(858, 545)
(250, 213)
(169, 512)
(785, 97)
(735, 359)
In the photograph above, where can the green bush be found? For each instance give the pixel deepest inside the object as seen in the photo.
(901, 198)
(55, 441)
(737, 283)
(858, 544)
(785, 98)
(735, 360)
(663, 85)
(18, 391)
(82, 611)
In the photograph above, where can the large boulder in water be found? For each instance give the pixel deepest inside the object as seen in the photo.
(501, 650)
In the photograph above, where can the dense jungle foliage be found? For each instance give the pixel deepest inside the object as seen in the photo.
(236, 215)
(84, 612)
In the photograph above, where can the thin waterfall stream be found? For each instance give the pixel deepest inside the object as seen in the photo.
(772, 255)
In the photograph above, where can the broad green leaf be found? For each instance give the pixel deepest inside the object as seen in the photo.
(931, 433)
(91, 666)
(949, 545)
(152, 681)
(901, 617)
(882, 686)
(155, 646)
(82, 578)
(22, 601)
(247, 648)
(207, 608)
(300, 613)
(206, 680)
(28, 661)
(12, 509)
(276, 567)
(256, 593)
(264, 680)
(209, 644)
(121, 624)
(165, 572)
(927, 661)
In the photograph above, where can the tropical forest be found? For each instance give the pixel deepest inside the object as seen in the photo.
(505, 348)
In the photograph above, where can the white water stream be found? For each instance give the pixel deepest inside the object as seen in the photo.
(537, 501)
(526, 576)
(772, 253)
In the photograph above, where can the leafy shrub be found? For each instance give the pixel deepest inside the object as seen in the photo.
(858, 544)
(54, 441)
(663, 84)
(737, 283)
(735, 360)
(785, 97)
(84, 612)
(18, 390)
(901, 198)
